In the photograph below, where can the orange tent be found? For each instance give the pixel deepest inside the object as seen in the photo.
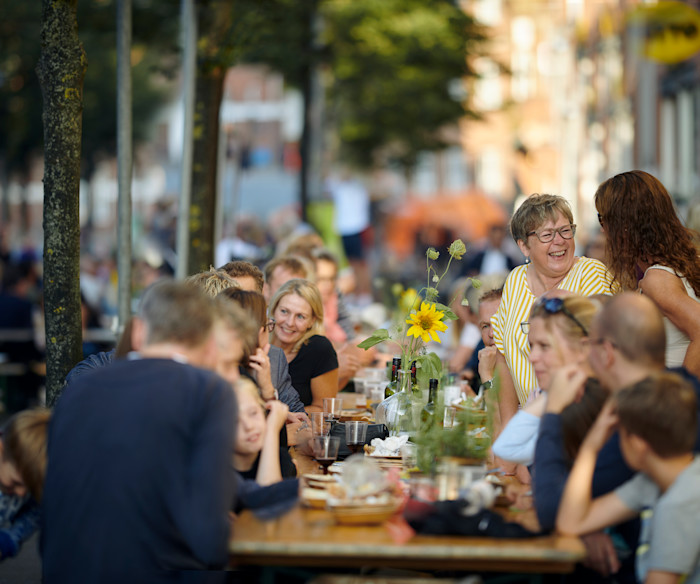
(468, 215)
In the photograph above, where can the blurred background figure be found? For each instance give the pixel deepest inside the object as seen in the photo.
(352, 223)
(495, 257)
(21, 358)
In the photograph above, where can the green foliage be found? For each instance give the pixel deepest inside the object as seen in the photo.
(377, 337)
(393, 62)
(155, 60)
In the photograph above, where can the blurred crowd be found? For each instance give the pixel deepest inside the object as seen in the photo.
(590, 362)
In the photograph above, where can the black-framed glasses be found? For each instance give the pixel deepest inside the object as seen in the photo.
(547, 235)
(600, 219)
(270, 326)
(553, 306)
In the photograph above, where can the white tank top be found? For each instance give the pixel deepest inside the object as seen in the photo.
(676, 340)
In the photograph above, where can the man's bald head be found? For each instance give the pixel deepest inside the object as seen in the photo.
(634, 325)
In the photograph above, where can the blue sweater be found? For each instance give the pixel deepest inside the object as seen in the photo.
(139, 480)
(19, 519)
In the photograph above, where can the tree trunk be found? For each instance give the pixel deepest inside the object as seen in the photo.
(305, 143)
(214, 18)
(61, 70)
(208, 93)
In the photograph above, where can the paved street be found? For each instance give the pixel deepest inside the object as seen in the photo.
(25, 568)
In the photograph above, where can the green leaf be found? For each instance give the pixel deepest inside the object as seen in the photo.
(377, 337)
(429, 366)
(449, 315)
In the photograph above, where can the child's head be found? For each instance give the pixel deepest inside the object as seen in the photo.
(250, 432)
(23, 453)
(661, 410)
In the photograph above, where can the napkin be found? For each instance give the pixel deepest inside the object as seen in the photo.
(390, 446)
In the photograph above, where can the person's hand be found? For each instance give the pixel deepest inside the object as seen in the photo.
(259, 362)
(520, 496)
(487, 362)
(567, 386)
(277, 415)
(602, 556)
(467, 374)
(294, 417)
(602, 428)
(348, 362)
(523, 474)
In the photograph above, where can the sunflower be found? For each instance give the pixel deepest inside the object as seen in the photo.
(425, 322)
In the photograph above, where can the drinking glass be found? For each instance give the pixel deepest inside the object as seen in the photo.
(325, 449)
(374, 391)
(319, 426)
(332, 407)
(449, 417)
(355, 435)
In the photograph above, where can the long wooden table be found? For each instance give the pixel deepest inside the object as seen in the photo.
(308, 537)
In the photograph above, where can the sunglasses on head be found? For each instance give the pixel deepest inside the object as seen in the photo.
(554, 306)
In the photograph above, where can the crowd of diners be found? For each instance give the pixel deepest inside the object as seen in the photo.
(138, 472)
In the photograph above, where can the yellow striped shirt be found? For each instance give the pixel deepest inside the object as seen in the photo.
(586, 277)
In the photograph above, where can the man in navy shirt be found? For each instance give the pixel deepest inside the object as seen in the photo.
(139, 481)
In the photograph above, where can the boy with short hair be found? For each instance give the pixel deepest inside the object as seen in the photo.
(657, 420)
(22, 470)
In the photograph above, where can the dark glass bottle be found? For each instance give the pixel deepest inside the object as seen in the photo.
(392, 386)
(427, 415)
(414, 381)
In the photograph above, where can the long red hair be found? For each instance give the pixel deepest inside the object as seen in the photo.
(642, 226)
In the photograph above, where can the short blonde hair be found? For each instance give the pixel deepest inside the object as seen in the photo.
(308, 292)
(245, 384)
(212, 281)
(535, 211)
(24, 441)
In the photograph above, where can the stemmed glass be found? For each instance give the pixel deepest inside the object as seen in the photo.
(355, 435)
(325, 449)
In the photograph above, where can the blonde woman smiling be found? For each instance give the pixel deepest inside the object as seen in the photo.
(313, 364)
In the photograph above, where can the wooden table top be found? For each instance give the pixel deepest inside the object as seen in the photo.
(309, 537)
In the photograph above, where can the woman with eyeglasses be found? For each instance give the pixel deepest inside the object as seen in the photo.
(557, 330)
(313, 364)
(267, 364)
(650, 250)
(544, 229)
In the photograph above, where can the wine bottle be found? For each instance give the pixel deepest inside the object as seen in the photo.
(427, 415)
(414, 381)
(392, 386)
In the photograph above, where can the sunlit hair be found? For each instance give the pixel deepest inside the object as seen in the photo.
(176, 312)
(582, 308)
(535, 211)
(304, 245)
(633, 323)
(247, 385)
(495, 294)
(641, 225)
(235, 318)
(212, 281)
(24, 446)
(300, 267)
(662, 411)
(310, 293)
(253, 304)
(241, 269)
